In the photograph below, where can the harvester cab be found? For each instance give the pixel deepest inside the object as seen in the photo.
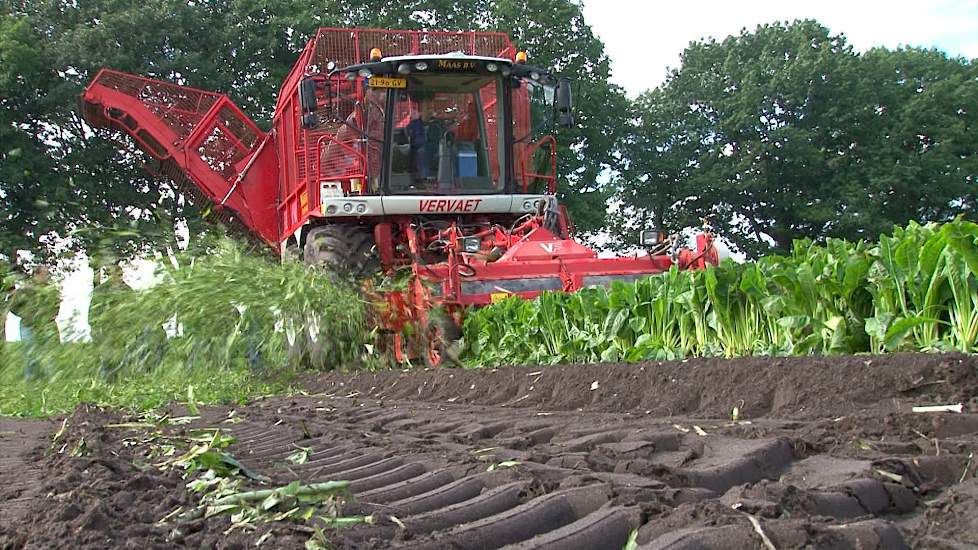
(424, 126)
(423, 164)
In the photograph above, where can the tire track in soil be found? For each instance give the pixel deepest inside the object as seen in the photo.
(830, 455)
(845, 465)
(585, 479)
(22, 444)
(574, 487)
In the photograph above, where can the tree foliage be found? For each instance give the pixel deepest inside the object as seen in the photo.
(660, 150)
(57, 177)
(774, 134)
(784, 133)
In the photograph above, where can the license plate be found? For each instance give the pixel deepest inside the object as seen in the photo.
(387, 82)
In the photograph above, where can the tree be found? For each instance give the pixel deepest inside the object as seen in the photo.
(65, 182)
(23, 74)
(916, 149)
(766, 103)
(661, 148)
(59, 178)
(555, 34)
(798, 136)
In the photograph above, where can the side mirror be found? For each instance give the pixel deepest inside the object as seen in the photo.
(565, 103)
(307, 95)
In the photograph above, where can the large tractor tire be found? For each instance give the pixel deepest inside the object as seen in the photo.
(348, 251)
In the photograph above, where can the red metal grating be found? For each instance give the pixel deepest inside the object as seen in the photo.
(180, 107)
(350, 46)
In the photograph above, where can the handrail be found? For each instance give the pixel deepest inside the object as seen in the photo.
(551, 179)
(356, 156)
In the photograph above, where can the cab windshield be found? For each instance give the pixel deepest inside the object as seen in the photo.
(444, 135)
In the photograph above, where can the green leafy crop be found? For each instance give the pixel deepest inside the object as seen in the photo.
(914, 290)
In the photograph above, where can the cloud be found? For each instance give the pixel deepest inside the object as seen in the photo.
(644, 38)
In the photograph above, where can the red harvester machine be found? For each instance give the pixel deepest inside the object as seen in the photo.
(390, 150)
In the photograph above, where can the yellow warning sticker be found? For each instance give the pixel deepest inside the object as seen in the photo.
(498, 296)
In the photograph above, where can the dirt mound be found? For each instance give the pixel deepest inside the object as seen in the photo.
(89, 495)
(789, 387)
(829, 456)
(22, 443)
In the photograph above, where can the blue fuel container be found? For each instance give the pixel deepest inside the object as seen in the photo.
(468, 164)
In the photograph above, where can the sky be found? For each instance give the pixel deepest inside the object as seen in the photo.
(651, 35)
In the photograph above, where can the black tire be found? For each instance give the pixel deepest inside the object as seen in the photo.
(347, 251)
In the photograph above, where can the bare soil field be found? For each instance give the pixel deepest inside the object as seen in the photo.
(822, 453)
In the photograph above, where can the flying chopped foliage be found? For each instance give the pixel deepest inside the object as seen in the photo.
(226, 323)
(7, 280)
(914, 290)
(231, 308)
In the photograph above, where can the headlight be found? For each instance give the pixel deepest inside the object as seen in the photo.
(403, 68)
(535, 76)
(527, 205)
(471, 244)
(365, 73)
(330, 66)
(361, 208)
(331, 209)
(492, 67)
(650, 237)
(421, 66)
(347, 207)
